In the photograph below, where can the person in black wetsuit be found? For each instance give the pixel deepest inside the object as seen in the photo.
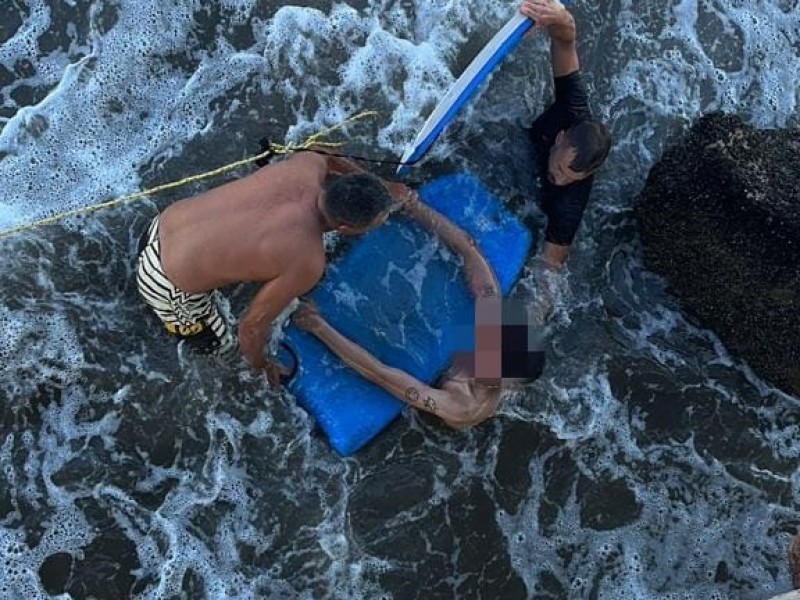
(569, 144)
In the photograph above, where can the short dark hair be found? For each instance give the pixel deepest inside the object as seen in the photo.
(592, 142)
(356, 199)
(522, 358)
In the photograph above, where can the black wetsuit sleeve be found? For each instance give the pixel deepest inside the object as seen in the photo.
(564, 206)
(572, 98)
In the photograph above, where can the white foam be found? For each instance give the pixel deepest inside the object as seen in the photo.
(122, 106)
(40, 343)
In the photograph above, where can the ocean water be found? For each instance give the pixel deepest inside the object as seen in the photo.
(647, 464)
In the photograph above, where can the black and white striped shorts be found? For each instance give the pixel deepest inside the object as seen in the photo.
(192, 317)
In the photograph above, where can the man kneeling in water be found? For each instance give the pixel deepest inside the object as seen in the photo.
(267, 227)
(506, 355)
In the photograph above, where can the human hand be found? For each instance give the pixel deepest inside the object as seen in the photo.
(411, 200)
(274, 371)
(552, 291)
(252, 354)
(545, 13)
(401, 194)
(306, 316)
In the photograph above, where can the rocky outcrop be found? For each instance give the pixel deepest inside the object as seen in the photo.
(720, 218)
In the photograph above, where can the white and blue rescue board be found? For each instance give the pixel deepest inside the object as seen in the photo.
(403, 299)
(502, 44)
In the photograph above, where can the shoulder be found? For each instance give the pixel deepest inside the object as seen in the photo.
(564, 207)
(296, 173)
(544, 129)
(308, 161)
(299, 167)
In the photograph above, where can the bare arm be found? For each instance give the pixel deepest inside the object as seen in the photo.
(555, 255)
(483, 284)
(256, 323)
(453, 407)
(480, 275)
(560, 24)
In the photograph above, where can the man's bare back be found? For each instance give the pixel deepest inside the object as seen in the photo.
(252, 229)
(266, 228)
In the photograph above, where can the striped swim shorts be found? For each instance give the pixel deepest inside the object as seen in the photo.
(191, 317)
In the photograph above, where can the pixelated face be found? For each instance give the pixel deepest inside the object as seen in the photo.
(561, 156)
(507, 348)
(488, 337)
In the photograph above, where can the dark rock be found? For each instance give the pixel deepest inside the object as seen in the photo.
(446, 549)
(548, 587)
(720, 219)
(484, 566)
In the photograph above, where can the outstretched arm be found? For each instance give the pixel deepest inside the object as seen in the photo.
(560, 24)
(454, 408)
(482, 283)
(256, 323)
(480, 275)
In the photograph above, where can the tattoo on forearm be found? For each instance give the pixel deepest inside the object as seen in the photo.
(430, 404)
(412, 395)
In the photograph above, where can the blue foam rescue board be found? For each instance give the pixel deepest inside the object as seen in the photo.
(399, 293)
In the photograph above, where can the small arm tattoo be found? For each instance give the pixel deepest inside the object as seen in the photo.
(412, 395)
(430, 404)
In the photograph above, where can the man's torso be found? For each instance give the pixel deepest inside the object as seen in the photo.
(252, 229)
(563, 205)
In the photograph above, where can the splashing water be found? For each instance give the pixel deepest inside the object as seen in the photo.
(647, 464)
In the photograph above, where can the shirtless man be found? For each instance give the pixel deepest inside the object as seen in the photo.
(570, 145)
(266, 227)
(506, 353)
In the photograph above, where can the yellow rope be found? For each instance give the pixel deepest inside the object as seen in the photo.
(273, 149)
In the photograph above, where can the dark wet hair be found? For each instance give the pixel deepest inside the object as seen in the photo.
(522, 356)
(356, 199)
(592, 142)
